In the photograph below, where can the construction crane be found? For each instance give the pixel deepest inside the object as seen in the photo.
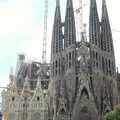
(45, 31)
(79, 12)
(45, 65)
(81, 27)
(82, 45)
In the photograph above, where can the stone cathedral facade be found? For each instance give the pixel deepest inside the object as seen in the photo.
(83, 73)
(78, 84)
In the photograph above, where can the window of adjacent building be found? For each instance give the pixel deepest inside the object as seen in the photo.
(13, 98)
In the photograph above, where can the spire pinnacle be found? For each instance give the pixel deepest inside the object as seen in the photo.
(93, 3)
(26, 88)
(11, 71)
(39, 79)
(104, 8)
(69, 3)
(14, 85)
(103, 2)
(26, 84)
(57, 2)
(11, 74)
(39, 83)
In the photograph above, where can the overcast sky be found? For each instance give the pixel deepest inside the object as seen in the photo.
(21, 30)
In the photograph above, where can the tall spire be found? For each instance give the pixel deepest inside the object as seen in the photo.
(57, 43)
(20, 61)
(70, 33)
(26, 88)
(69, 3)
(14, 85)
(38, 86)
(11, 74)
(106, 30)
(94, 25)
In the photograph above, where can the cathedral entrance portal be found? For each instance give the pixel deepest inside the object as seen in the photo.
(84, 108)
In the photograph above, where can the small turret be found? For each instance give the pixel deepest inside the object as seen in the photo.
(26, 84)
(20, 60)
(13, 88)
(26, 89)
(38, 86)
(11, 76)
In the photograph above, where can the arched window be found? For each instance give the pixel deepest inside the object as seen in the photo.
(106, 66)
(56, 64)
(96, 59)
(66, 61)
(69, 60)
(62, 111)
(93, 58)
(56, 67)
(73, 58)
(59, 65)
(53, 69)
(109, 67)
(38, 98)
(13, 98)
(103, 65)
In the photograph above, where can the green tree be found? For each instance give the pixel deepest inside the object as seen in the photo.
(113, 115)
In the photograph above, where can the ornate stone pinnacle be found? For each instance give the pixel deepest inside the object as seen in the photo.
(57, 2)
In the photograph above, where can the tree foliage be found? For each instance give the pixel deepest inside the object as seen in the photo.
(113, 115)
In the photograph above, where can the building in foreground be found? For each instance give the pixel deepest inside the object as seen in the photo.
(26, 97)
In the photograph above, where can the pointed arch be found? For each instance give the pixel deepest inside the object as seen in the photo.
(84, 92)
(62, 114)
(85, 107)
(62, 111)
